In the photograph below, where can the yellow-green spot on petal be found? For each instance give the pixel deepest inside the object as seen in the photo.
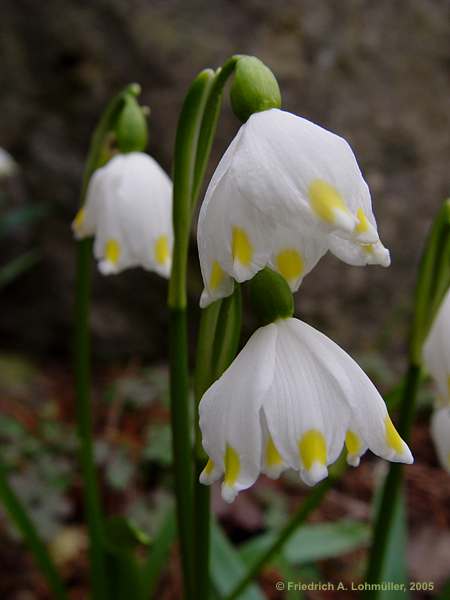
(79, 219)
(368, 248)
(232, 466)
(352, 442)
(162, 250)
(112, 251)
(273, 458)
(217, 275)
(209, 468)
(448, 460)
(312, 448)
(393, 439)
(363, 224)
(290, 264)
(325, 200)
(241, 247)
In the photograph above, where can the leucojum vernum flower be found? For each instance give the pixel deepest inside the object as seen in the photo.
(436, 355)
(129, 211)
(284, 193)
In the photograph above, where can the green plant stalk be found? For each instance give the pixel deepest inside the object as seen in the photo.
(312, 501)
(218, 340)
(82, 359)
(183, 178)
(30, 535)
(432, 283)
(393, 482)
(92, 503)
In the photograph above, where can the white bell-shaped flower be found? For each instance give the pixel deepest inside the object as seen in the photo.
(440, 434)
(8, 165)
(436, 351)
(285, 192)
(129, 211)
(291, 398)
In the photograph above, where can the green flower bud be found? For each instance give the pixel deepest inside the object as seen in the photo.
(271, 296)
(131, 127)
(254, 88)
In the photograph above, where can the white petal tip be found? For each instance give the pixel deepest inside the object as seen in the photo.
(315, 474)
(229, 493)
(406, 456)
(353, 460)
(206, 299)
(273, 472)
(379, 255)
(106, 267)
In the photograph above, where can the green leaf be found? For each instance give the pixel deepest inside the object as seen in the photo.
(227, 568)
(312, 542)
(123, 533)
(17, 266)
(394, 565)
(158, 554)
(21, 217)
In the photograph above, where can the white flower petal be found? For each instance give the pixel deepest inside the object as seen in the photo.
(370, 421)
(305, 408)
(129, 209)
(295, 253)
(440, 434)
(230, 414)
(436, 351)
(359, 254)
(285, 178)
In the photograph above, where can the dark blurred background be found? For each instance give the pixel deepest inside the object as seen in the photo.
(375, 72)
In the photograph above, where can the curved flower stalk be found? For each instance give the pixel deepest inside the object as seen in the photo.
(129, 211)
(291, 399)
(436, 355)
(284, 193)
(8, 165)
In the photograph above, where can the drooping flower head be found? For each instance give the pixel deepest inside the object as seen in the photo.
(284, 193)
(291, 399)
(436, 355)
(129, 211)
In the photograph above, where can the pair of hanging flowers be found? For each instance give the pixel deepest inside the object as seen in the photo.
(285, 192)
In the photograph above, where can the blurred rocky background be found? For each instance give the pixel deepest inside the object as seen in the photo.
(374, 72)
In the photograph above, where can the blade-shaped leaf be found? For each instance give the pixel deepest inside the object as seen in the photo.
(158, 553)
(312, 542)
(227, 568)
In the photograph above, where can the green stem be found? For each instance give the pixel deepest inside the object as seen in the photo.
(92, 502)
(30, 535)
(312, 501)
(183, 177)
(393, 483)
(82, 358)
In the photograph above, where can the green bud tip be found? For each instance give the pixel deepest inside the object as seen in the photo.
(131, 127)
(254, 88)
(134, 89)
(271, 296)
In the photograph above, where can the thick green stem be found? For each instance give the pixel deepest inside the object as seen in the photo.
(183, 176)
(181, 440)
(393, 483)
(30, 535)
(92, 504)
